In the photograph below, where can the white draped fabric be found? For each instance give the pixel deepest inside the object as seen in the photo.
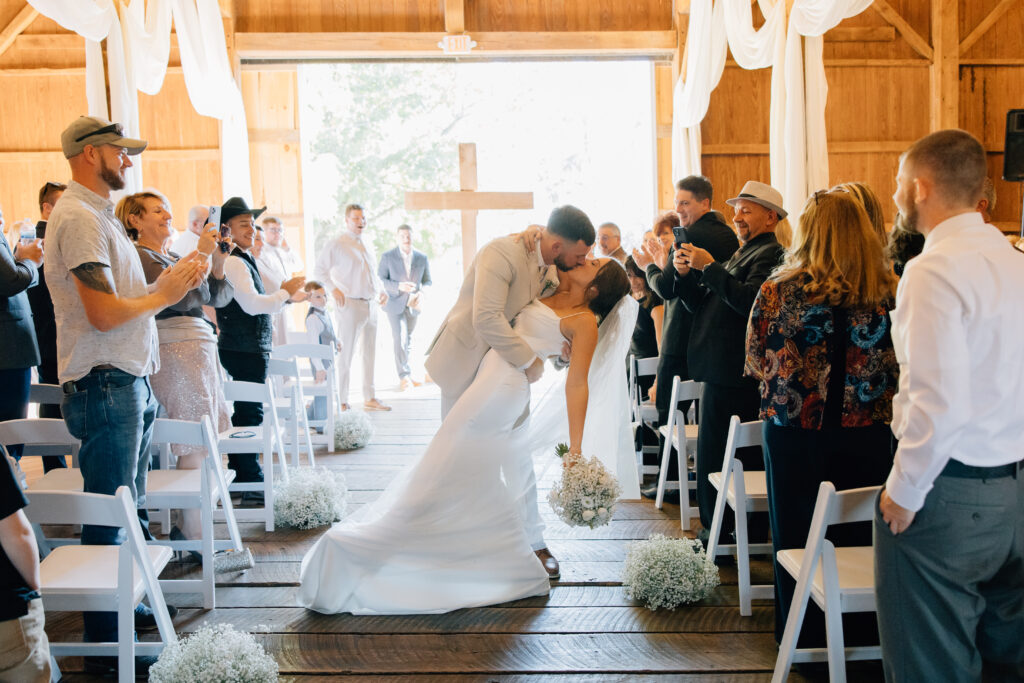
(797, 145)
(138, 47)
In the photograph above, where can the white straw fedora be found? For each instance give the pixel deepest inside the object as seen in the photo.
(760, 193)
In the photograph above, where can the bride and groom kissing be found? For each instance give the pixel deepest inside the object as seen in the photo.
(461, 526)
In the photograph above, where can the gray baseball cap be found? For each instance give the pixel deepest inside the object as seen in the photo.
(92, 130)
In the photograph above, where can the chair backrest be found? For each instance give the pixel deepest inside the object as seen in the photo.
(37, 432)
(248, 391)
(852, 505)
(288, 351)
(686, 390)
(742, 435)
(45, 394)
(284, 367)
(118, 510)
(183, 432)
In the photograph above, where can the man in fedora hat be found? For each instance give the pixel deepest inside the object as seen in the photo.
(720, 301)
(245, 337)
(106, 337)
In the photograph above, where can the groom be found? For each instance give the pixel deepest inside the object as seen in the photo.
(505, 276)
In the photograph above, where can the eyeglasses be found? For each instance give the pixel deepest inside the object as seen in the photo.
(112, 128)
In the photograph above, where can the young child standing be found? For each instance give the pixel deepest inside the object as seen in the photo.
(319, 330)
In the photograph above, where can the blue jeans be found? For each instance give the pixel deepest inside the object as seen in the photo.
(112, 414)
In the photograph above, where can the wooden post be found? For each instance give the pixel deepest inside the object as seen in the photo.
(663, 91)
(467, 183)
(945, 69)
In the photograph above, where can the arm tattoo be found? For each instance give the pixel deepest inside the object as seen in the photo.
(93, 276)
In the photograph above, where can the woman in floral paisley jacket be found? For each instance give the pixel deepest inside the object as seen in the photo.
(818, 341)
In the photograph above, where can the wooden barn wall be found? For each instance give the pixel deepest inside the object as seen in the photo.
(878, 102)
(42, 78)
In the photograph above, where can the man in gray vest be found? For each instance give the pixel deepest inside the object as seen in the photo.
(244, 341)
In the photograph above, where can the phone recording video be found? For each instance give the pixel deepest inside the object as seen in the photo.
(680, 236)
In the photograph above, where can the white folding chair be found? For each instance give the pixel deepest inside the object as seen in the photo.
(839, 580)
(644, 413)
(42, 395)
(744, 492)
(202, 488)
(45, 436)
(102, 578)
(291, 405)
(676, 433)
(310, 389)
(256, 439)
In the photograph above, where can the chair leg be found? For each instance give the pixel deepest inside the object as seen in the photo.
(125, 639)
(206, 515)
(268, 486)
(716, 518)
(794, 622)
(833, 616)
(684, 487)
(742, 556)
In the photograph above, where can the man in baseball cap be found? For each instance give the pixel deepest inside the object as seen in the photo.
(720, 297)
(92, 130)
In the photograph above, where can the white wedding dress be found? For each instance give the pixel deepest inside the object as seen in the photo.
(449, 532)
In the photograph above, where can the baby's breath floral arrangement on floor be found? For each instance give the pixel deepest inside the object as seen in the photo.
(586, 493)
(352, 429)
(311, 497)
(214, 654)
(668, 572)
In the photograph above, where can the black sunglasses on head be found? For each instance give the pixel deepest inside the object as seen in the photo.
(112, 128)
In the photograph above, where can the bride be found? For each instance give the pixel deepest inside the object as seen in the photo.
(447, 533)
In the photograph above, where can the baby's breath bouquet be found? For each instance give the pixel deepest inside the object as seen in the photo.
(668, 572)
(311, 498)
(214, 654)
(352, 429)
(586, 493)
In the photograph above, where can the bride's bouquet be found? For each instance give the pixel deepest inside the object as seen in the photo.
(587, 492)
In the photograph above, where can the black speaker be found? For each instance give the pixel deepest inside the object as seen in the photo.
(1013, 157)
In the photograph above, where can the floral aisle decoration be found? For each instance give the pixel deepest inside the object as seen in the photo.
(668, 572)
(587, 492)
(310, 498)
(215, 654)
(352, 429)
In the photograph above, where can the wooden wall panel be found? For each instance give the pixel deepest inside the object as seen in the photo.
(1003, 40)
(569, 15)
(272, 110)
(915, 12)
(339, 15)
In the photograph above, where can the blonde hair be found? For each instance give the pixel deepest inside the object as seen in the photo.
(784, 233)
(863, 193)
(134, 205)
(837, 255)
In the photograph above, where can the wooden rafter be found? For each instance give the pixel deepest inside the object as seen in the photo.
(945, 68)
(454, 16)
(25, 17)
(988, 22)
(916, 41)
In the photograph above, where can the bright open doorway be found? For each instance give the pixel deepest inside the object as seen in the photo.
(571, 132)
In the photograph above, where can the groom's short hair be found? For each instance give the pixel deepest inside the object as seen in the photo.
(571, 224)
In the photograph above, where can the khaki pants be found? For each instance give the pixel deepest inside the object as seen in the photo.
(356, 323)
(24, 649)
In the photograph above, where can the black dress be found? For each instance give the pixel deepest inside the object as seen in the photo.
(644, 343)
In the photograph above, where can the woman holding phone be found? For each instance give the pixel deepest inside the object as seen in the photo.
(188, 382)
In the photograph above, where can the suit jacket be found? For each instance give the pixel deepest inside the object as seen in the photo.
(391, 272)
(619, 255)
(502, 279)
(720, 300)
(45, 322)
(18, 348)
(709, 233)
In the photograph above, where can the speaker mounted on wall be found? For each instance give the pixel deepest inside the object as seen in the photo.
(1013, 157)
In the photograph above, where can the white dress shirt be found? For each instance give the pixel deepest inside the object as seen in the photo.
(348, 263)
(251, 301)
(277, 265)
(406, 261)
(185, 243)
(957, 330)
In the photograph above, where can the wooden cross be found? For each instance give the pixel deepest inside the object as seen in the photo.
(468, 200)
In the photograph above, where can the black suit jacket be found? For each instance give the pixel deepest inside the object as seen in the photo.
(708, 233)
(45, 322)
(721, 299)
(17, 336)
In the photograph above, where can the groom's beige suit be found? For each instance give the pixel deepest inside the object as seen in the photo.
(502, 279)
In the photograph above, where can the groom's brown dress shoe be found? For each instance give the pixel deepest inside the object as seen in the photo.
(549, 562)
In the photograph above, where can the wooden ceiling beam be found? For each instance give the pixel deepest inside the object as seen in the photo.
(18, 24)
(916, 41)
(292, 45)
(988, 22)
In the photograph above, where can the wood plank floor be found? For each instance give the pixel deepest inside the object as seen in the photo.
(585, 631)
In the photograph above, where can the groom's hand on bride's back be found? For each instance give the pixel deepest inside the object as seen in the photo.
(535, 370)
(529, 237)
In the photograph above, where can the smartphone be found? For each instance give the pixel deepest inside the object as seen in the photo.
(225, 233)
(214, 219)
(680, 236)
